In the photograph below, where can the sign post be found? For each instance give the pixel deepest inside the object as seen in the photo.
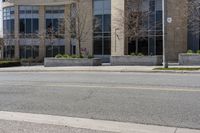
(164, 8)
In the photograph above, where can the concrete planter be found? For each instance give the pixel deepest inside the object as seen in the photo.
(189, 59)
(59, 62)
(136, 60)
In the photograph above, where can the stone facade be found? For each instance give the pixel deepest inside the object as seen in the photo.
(42, 23)
(176, 30)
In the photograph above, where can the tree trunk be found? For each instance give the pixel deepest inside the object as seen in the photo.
(136, 45)
(79, 47)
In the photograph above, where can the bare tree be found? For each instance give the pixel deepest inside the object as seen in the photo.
(1, 47)
(193, 7)
(78, 19)
(135, 20)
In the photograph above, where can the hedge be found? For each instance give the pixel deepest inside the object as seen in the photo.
(9, 63)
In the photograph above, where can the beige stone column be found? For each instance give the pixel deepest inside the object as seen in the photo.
(16, 27)
(67, 25)
(42, 32)
(117, 31)
(86, 7)
(176, 30)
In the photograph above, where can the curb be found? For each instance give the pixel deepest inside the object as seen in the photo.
(122, 71)
(92, 124)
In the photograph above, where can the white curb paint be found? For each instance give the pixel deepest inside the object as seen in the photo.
(99, 125)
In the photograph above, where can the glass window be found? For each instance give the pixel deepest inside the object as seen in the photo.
(143, 46)
(55, 21)
(28, 26)
(35, 26)
(102, 27)
(22, 25)
(98, 46)
(159, 20)
(29, 21)
(159, 46)
(52, 51)
(62, 50)
(107, 23)
(49, 50)
(8, 21)
(30, 51)
(9, 51)
(107, 46)
(150, 45)
(131, 47)
(98, 24)
(22, 52)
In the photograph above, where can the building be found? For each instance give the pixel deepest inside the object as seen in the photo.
(1, 48)
(27, 22)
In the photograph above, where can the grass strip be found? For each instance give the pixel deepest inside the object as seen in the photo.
(179, 69)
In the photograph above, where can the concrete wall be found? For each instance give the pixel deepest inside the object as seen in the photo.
(136, 60)
(54, 62)
(189, 59)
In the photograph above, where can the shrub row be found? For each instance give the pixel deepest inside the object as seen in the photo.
(65, 56)
(9, 63)
(137, 54)
(192, 52)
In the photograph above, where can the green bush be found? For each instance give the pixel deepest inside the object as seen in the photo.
(81, 56)
(133, 54)
(198, 51)
(58, 56)
(137, 54)
(75, 56)
(140, 54)
(190, 51)
(66, 56)
(9, 63)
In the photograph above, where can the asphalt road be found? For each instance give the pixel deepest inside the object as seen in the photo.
(146, 98)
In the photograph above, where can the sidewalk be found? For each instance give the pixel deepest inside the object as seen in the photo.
(49, 123)
(146, 69)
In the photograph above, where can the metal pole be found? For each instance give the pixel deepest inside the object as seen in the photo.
(164, 7)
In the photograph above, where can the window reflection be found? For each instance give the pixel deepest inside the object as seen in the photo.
(102, 27)
(151, 44)
(55, 21)
(29, 52)
(29, 21)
